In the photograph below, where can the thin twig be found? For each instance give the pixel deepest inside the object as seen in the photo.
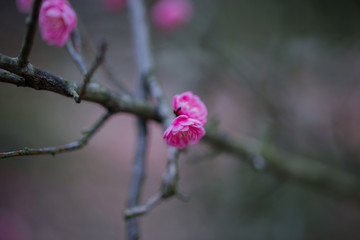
(104, 66)
(23, 58)
(97, 62)
(171, 176)
(73, 47)
(60, 149)
(76, 57)
(168, 188)
(76, 40)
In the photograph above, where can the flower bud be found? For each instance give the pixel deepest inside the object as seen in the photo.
(183, 131)
(114, 5)
(169, 15)
(57, 20)
(191, 106)
(24, 5)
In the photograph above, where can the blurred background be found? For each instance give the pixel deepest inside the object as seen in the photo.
(287, 70)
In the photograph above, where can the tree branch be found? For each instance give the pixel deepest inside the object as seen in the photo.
(41, 80)
(325, 177)
(27, 44)
(60, 149)
(143, 68)
(73, 47)
(138, 211)
(330, 179)
(77, 58)
(19, 72)
(145, 60)
(104, 66)
(9, 77)
(168, 188)
(138, 176)
(144, 54)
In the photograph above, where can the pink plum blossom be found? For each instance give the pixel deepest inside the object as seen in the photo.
(170, 15)
(191, 106)
(184, 131)
(24, 5)
(114, 5)
(57, 20)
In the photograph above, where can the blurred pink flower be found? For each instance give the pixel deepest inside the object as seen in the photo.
(24, 5)
(57, 20)
(184, 131)
(114, 5)
(191, 106)
(170, 15)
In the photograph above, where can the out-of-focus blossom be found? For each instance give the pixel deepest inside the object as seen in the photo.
(169, 15)
(57, 20)
(184, 131)
(114, 5)
(191, 106)
(24, 5)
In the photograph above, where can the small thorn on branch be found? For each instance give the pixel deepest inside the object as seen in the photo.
(97, 62)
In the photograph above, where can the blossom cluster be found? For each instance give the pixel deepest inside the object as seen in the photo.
(188, 127)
